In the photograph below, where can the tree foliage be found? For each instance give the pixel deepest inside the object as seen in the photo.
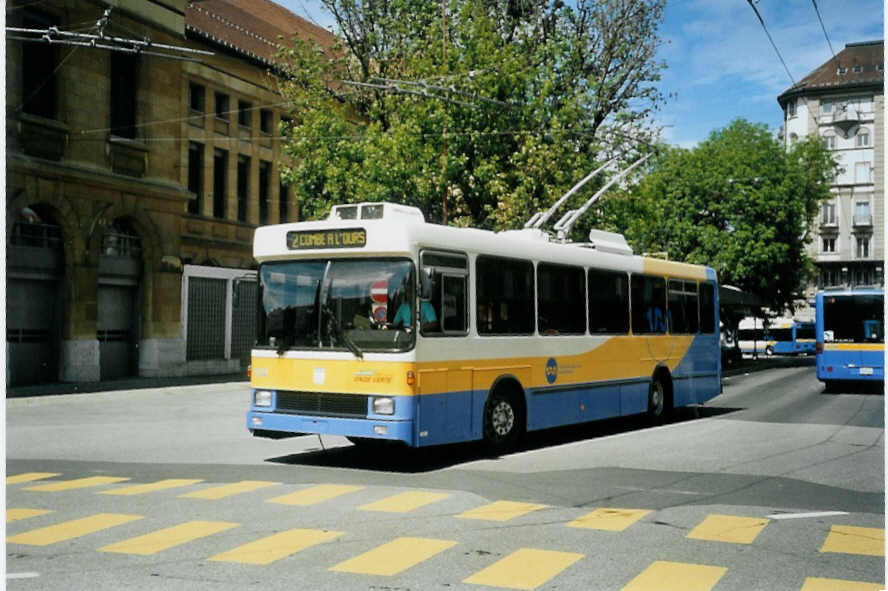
(530, 97)
(738, 202)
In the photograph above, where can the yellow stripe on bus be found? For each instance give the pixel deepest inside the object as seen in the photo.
(853, 346)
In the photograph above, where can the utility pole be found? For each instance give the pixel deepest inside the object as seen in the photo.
(444, 125)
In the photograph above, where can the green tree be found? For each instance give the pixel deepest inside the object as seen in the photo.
(531, 95)
(738, 202)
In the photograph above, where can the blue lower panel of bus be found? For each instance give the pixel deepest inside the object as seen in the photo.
(851, 366)
(369, 428)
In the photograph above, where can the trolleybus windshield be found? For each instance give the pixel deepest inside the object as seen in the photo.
(853, 318)
(354, 304)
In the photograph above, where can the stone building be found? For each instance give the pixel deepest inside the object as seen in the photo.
(843, 101)
(136, 173)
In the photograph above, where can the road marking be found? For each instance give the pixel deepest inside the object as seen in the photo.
(404, 502)
(78, 483)
(18, 514)
(527, 568)
(277, 546)
(779, 516)
(729, 528)
(140, 489)
(29, 477)
(846, 539)
(228, 490)
(72, 529)
(22, 575)
(394, 557)
(500, 511)
(609, 519)
(170, 537)
(819, 584)
(314, 494)
(676, 576)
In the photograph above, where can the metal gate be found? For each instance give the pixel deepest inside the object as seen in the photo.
(117, 322)
(206, 319)
(34, 266)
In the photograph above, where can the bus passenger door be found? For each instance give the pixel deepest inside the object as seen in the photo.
(444, 406)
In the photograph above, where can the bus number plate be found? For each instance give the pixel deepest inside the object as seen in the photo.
(866, 371)
(306, 239)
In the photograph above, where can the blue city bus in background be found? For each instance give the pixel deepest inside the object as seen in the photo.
(850, 335)
(789, 337)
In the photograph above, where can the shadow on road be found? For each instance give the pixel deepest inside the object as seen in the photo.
(399, 458)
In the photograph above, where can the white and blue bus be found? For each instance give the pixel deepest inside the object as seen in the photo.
(374, 324)
(789, 337)
(850, 332)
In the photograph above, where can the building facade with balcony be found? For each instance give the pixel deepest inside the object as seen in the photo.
(842, 101)
(143, 148)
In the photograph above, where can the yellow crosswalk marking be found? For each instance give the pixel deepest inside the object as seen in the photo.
(394, 557)
(168, 538)
(527, 568)
(729, 528)
(280, 545)
(500, 511)
(676, 576)
(609, 519)
(846, 539)
(228, 490)
(140, 489)
(77, 483)
(71, 529)
(29, 477)
(314, 494)
(818, 584)
(18, 514)
(404, 502)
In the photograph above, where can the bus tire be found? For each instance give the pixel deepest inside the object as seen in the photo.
(769, 351)
(659, 398)
(503, 420)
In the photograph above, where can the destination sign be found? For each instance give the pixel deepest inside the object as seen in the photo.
(306, 239)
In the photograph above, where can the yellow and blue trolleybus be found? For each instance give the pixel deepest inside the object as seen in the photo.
(850, 327)
(376, 325)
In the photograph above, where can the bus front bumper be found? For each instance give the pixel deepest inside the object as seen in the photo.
(369, 428)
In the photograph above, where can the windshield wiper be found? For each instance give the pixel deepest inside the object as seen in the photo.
(336, 331)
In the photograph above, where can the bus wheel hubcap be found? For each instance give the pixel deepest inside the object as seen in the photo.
(503, 418)
(657, 398)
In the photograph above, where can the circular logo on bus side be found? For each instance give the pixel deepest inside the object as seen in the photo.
(551, 370)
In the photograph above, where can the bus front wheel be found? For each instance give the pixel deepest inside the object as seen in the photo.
(503, 421)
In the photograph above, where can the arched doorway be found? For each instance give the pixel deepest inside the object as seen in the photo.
(118, 315)
(34, 296)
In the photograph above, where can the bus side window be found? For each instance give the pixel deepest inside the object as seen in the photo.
(648, 305)
(449, 294)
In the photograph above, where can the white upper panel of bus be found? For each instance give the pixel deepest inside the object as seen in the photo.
(388, 229)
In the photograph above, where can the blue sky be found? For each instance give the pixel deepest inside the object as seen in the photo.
(720, 64)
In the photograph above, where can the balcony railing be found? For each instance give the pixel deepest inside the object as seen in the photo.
(863, 220)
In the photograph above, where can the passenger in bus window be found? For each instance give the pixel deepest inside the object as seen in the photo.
(404, 316)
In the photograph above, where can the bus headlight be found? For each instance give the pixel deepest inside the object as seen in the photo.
(261, 398)
(384, 406)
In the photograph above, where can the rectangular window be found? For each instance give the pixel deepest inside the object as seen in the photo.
(862, 213)
(561, 299)
(264, 190)
(707, 308)
(682, 307)
(648, 305)
(243, 186)
(445, 310)
(244, 114)
(123, 94)
(826, 106)
(829, 141)
(608, 302)
(196, 97)
(38, 69)
(283, 203)
(195, 176)
(791, 108)
(829, 214)
(505, 292)
(863, 247)
(222, 106)
(863, 139)
(220, 182)
(265, 120)
(829, 245)
(862, 172)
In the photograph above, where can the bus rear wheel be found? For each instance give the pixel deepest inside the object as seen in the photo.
(503, 421)
(659, 405)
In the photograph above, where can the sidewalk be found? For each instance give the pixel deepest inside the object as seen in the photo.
(121, 384)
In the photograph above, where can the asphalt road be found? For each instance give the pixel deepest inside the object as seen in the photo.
(773, 485)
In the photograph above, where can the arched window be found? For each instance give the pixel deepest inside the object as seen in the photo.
(120, 239)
